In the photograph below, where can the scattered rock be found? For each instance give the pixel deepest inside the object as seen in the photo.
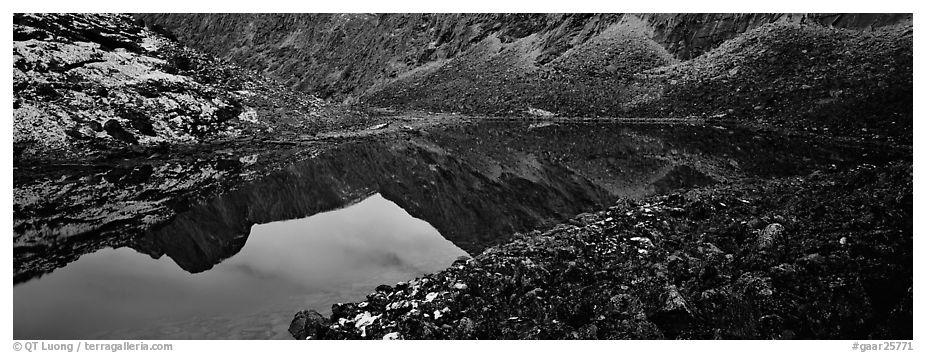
(586, 281)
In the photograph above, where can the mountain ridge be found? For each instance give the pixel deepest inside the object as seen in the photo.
(339, 47)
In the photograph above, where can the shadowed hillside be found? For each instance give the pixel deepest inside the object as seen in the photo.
(824, 72)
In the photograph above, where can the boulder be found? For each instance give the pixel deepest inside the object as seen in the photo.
(769, 234)
(115, 129)
(308, 324)
(466, 328)
(674, 316)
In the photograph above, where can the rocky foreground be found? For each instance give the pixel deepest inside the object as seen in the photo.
(820, 257)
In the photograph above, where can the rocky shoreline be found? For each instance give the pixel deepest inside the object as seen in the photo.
(827, 256)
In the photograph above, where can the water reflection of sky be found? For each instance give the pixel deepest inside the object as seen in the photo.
(284, 267)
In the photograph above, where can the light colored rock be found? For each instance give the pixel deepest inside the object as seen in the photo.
(769, 235)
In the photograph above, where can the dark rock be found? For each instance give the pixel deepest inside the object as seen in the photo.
(376, 301)
(811, 260)
(47, 92)
(101, 91)
(129, 176)
(139, 121)
(343, 310)
(143, 126)
(179, 63)
(228, 112)
(308, 324)
(179, 204)
(74, 134)
(674, 316)
(574, 272)
(95, 126)
(708, 274)
(588, 332)
(116, 174)
(755, 223)
(466, 328)
(139, 174)
(115, 129)
(22, 33)
(228, 164)
(770, 326)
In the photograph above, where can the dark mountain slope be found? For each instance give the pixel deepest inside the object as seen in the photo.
(798, 77)
(591, 78)
(340, 55)
(845, 74)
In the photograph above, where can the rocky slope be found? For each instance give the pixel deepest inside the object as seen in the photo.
(827, 256)
(92, 85)
(344, 54)
(782, 75)
(826, 72)
(798, 77)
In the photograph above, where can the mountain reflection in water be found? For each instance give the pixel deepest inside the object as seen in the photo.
(287, 265)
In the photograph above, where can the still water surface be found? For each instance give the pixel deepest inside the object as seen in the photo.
(284, 267)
